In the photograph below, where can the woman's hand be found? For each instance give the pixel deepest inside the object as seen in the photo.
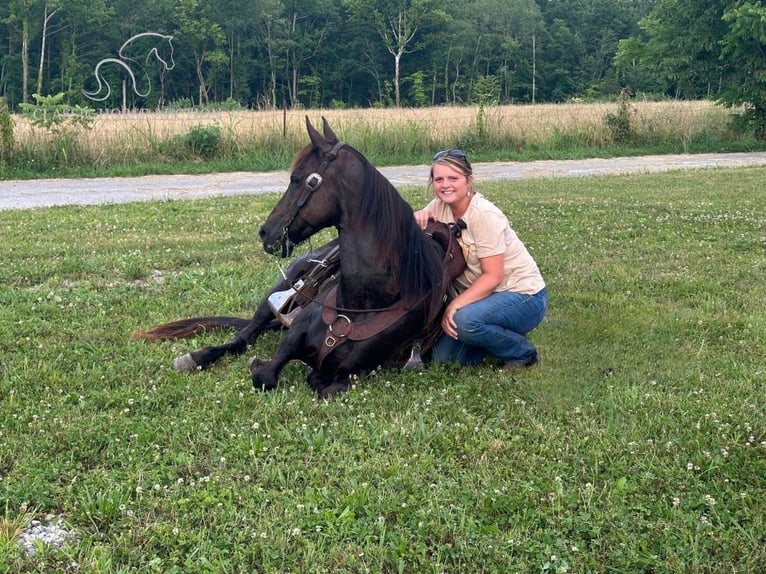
(491, 276)
(448, 322)
(422, 217)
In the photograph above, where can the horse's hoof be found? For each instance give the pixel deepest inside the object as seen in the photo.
(185, 364)
(261, 382)
(333, 390)
(415, 364)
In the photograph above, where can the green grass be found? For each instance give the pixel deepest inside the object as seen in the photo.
(637, 446)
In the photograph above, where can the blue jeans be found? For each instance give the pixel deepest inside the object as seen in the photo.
(496, 325)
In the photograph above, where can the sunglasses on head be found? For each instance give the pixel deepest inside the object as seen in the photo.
(456, 153)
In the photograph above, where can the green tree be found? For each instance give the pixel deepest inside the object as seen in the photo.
(237, 19)
(683, 45)
(706, 49)
(24, 14)
(397, 22)
(744, 51)
(310, 25)
(78, 27)
(270, 29)
(204, 36)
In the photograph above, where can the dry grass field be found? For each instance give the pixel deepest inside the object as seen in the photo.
(531, 124)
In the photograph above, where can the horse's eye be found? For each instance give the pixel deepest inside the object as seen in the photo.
(296, 178)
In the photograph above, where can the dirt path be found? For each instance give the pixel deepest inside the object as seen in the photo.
(49, 192)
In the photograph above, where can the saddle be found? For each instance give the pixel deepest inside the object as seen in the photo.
(286, 305)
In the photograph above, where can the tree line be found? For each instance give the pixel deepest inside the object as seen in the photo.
(150, 54)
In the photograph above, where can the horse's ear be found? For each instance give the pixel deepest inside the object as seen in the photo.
(329, 135)
(317, 139)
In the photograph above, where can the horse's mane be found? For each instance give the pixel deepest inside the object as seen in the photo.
(402, 243)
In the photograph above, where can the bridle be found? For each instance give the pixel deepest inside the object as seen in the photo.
(310, 185)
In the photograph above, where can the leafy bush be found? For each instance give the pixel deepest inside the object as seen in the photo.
(621, 124)
(203, 141)
(66, 123)
(52, 114)
(6, 132)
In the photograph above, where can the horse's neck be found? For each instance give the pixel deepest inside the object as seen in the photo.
(369, 259)
(367, 281)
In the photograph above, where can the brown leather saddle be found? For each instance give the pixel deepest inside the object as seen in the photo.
(341, 328)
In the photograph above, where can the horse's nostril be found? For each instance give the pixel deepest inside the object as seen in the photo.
(262, 233)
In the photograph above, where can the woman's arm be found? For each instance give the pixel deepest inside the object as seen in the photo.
(492, 273)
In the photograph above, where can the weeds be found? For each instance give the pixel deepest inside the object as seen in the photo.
(621, 123)
(6, 133)
(203, 141)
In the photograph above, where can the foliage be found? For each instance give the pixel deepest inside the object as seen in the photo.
(637, 446)
(66, 123)
(704, 49)
(6, 132)
(744, 46)
(203, 141)
(417, 91)
(620, 124)
(52, 114)
(259, 52)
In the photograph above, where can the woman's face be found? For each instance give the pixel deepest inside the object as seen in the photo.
(452, 186)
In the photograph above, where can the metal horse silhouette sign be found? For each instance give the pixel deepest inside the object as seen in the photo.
(163, 51)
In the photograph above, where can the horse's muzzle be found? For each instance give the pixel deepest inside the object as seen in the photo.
(275, 239)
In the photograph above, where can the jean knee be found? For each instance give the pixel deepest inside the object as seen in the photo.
(466, 322)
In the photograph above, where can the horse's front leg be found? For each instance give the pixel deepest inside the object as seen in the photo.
(339, 384)
(265, 374)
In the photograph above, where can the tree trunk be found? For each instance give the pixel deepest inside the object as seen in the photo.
(231, 66)
(25, 60)
(46, 18)
(397, 59)
(203, 96)
(534, 67)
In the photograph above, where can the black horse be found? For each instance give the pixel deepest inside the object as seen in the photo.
(383, 280)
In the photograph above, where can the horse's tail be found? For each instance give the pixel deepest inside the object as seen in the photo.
(188, 327)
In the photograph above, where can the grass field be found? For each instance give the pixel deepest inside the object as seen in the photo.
(637, 446)
(529, 123)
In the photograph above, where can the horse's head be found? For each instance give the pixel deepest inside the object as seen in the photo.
(164, 52)
(311, 201)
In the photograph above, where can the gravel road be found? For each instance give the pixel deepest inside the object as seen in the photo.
(30, 194)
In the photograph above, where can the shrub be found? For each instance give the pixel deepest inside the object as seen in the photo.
(203, 141)
(6, 132)
(621, 124)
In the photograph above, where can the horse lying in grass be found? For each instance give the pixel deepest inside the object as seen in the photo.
(385, 293)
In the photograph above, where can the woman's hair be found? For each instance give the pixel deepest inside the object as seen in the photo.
(454, 158)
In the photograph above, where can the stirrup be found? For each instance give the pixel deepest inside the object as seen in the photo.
(415, 362)
(281, 301)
